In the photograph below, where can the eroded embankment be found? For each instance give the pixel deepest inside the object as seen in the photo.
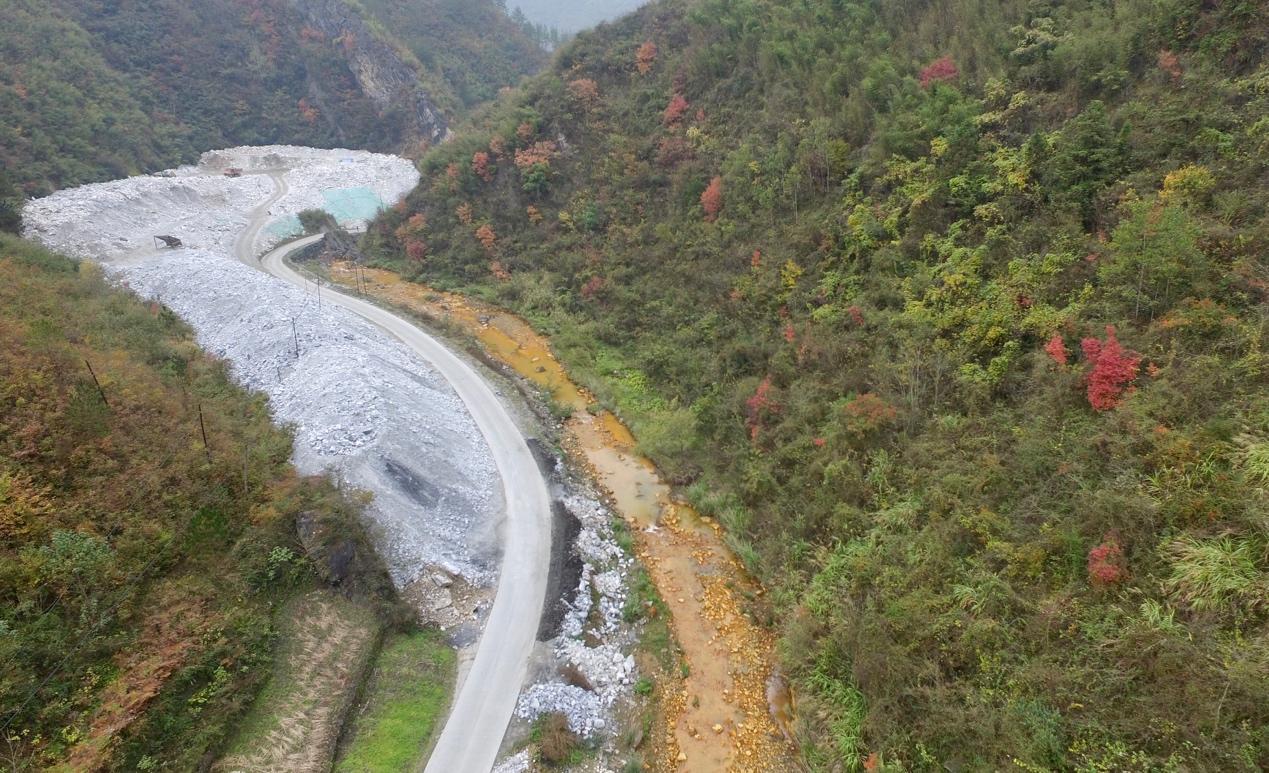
(719, 719)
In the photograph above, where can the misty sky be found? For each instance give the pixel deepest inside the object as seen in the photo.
(573, 15)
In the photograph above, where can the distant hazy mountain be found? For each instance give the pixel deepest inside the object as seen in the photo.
(573, 15)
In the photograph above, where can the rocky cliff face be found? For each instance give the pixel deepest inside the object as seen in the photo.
(383, 74)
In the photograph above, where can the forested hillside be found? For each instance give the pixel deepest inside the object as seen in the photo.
(91, 90)
(148, 530)
(474, 47)
(954, 312)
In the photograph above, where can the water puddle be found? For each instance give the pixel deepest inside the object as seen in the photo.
(720, 719)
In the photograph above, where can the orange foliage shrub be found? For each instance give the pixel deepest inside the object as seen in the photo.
(585, 91)
(487, 238)
(645, 57)
(537, 153)
(868, 412)
(480, 165)
(413, 227)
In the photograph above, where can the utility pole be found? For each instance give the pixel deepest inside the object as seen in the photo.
(100, 391)
(203, 426)
(296, 336)
(246, 455)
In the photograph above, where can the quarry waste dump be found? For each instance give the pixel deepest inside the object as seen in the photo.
(362, 405)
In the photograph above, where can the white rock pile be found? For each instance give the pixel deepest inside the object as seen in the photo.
(605, 666)
(361, 404)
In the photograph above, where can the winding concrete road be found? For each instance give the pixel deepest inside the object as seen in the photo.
(483, 708)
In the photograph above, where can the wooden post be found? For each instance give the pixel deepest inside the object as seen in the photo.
(296, 336)
(203, 426)
(100, 391)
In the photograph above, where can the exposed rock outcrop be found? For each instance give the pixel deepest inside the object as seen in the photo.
(384, 74)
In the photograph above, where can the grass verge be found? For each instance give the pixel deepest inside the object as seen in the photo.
(405, 698)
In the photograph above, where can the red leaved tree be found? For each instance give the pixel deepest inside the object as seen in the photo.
(1106, 563)
(712, 199)
(1113, 370)
(1056, 349)
(416, 249)
(940, 70)
(758, 407)
(675, 111)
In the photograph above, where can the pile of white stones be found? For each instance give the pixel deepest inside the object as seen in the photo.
(594, 641)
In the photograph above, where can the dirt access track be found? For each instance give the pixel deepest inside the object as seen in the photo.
(487, 694)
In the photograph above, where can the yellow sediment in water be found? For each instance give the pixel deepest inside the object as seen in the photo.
(720, 721)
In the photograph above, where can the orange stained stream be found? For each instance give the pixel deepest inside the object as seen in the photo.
(719, 719)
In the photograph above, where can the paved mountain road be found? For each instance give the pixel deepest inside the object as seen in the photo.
(483, 707)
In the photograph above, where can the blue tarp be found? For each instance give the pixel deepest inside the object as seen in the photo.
(349, 204)
(346, 205)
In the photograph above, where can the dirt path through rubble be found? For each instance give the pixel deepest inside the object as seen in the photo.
(719, 721)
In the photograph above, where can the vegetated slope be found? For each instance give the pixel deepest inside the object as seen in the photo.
(474, 47)
(954, 312)
(91, 90)
(140, 570)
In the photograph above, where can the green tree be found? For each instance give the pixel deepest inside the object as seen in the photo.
(1087, 156)
(10, 205)
(1155, 260)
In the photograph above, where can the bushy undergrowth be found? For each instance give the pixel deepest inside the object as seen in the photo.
(956, 309)
(139, 568)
